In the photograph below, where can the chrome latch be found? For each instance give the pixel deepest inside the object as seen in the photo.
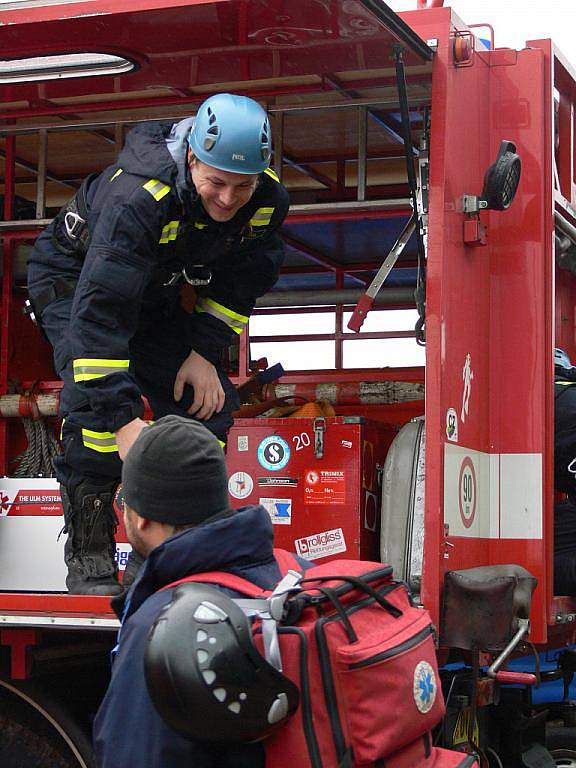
(319, 429)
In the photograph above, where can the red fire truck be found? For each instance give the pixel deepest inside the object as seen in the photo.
(385, 127)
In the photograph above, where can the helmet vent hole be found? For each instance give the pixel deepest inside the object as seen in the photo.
(211, 117)
(208, 144)
(209, 676)
(234, 708)
(214, 130)
(201, 636)
(202, 656)
(220, 694)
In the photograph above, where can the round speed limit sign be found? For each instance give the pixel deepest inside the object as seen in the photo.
(467, 492)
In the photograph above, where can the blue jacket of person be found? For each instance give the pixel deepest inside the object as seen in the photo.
(127, 730)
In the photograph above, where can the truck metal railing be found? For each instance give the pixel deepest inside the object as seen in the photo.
(398, 202)
(43, 130)
(399, 205)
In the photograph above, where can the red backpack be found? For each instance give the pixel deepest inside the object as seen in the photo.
(364, 659)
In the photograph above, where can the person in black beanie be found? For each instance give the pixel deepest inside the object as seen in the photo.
(174, 498)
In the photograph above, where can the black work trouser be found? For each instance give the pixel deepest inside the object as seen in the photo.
(156, 353)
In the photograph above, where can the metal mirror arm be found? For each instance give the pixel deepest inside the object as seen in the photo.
(420, 293)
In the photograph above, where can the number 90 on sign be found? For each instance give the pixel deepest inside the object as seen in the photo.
(467, 492)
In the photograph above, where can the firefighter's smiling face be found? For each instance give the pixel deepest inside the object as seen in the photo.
(222, 193)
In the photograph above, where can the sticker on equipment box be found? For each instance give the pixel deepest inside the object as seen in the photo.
(280, 510)
(292, 481)
(240, 485)
(321, 544)
(34, 497)
(325, 486)
(273, 453)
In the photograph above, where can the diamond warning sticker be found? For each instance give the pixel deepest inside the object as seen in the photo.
(321, 544)
(323, 486)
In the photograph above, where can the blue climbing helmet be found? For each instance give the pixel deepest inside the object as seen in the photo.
(232, 133)
(562, 360)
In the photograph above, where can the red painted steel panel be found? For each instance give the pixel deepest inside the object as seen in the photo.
(77, 606)
(180, 46)
(489, 310)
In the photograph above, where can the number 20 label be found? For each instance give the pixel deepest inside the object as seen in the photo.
(302, 441)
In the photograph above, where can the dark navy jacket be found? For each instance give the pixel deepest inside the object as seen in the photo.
(565, 481)
(146, 224)
(128, 731)
(565, 432)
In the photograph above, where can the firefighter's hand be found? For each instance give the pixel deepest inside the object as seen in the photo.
(126, 435)
(208, 392)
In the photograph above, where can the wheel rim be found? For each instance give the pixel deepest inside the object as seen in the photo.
(493, 758)
(42, 712)
(564, 758)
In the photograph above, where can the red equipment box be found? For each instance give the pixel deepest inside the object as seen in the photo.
(318, 478)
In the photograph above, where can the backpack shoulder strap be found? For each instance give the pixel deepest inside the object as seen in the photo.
(222, 579)
(285, 560)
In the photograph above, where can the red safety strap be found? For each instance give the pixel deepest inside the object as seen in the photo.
(285, 560)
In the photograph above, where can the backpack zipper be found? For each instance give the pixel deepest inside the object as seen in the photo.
(396, 650)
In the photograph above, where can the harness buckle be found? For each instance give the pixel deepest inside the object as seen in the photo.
(201, 279)
(74, 224)
(173, 280)
(203, 276)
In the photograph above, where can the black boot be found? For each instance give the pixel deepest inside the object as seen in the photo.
(89, 552)
(135, 561)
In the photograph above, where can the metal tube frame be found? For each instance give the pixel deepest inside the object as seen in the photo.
(22, 230)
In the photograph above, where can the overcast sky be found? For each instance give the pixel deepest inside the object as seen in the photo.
(516, 21)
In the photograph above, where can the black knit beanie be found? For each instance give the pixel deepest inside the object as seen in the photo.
(175, 473)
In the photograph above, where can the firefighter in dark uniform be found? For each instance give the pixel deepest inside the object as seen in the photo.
(564, 474)
(194, 202)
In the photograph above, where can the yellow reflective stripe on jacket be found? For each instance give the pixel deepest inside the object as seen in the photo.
(566, 383)
(199, 225)
(262, 217)
(272, 174)
(86, 369)
(103, 442)
(118, 172)
(234, 320)
(169, 232)
(157, 189)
